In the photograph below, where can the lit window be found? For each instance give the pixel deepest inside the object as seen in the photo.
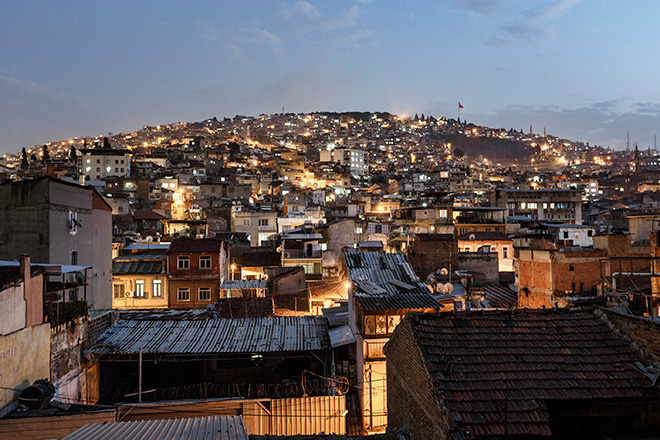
(158, 288)
(139, 289)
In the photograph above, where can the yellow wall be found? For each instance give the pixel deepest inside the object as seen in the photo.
(24, 358)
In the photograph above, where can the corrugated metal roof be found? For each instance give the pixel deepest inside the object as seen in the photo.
(379, 269)
(197, 428)
(214, 336)
(340, 336)
(397, 302)
(243, 284)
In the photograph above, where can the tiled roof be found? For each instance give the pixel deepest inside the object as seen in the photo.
(195, 245)
(490, 363)
(500, 296)
(214, 336)
(397, 302)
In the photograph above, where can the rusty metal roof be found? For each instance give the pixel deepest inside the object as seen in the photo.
(197, 428)
(214, 336)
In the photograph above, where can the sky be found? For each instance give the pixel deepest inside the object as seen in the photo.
(586, 70)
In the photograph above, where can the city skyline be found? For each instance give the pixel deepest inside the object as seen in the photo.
(582, 70)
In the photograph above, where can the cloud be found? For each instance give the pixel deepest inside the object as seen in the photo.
(532, 25)
(237, 38)
(602, 123)
(31, 114)
(482, 6)
(303, 17)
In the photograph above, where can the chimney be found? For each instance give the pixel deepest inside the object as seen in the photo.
(25, 267)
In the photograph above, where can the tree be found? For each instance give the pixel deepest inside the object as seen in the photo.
(458, 152)
(106, 143)
(72, 153)
(24, 159)
(46, 154)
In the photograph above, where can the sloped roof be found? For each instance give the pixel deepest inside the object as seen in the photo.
(195, 245)
(386, 282)
(488, 362)
(197, 428)
(139, 264)
(233, 308)
(214, 336)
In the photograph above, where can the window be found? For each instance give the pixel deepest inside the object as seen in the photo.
(263, 222)
(442, 213)
(369, 325)
(381, 324)
(505, 252)
(116, 170)
(358, 230)
(116, 161)
(139, 288)
(74, 258)
(118, 290)
(183, 262)
(294, 208)
(98, 160)
(122, 161)
(590, 233)
(246, 222)
(378, 229)
(98, 169)
(565, 235)
(204, 294)
(158, 289)
(205, 262)
(183, 294)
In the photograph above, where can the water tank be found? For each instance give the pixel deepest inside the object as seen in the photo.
(37, 395)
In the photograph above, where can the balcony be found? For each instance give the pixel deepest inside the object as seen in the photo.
(301, 254)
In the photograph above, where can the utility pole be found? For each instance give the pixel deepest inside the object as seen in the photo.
(140, 379)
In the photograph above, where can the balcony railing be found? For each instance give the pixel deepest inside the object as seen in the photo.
(297, 253)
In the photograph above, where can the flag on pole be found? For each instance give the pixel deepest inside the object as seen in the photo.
(459, 105)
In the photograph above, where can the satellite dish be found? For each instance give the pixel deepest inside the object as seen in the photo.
(279, 249)
(448, 288)
(472, 237)
(444, 272)
(265, 277)
(149, 239)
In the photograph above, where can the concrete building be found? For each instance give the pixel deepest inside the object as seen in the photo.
(549, 205)
(59, 223)
(99, 163)
(258, 225)
(356, 160)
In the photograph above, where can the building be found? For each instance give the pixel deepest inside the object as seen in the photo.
(258, 225)
(196, 270)
(356, 160)
(139, 281)
(24, 338)
(382, 288)
(100, 163)
(479, 219)
(58, 222)
(523, 374)
(548, 205)
(497, 242)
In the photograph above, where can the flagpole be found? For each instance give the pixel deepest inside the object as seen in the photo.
(459, 112)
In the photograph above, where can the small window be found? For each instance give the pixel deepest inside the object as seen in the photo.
(116, 161)
(139, 289)
(263, 222)
(98, 169)
(358, 230)
(183, 262)
(381, 324)
(205, 262)
(590, 233)
(74, 258)
(204, 294)
(392, 322)
(246, 222)
(183, 294)
(565, 235)
(118, 290)
(369, 325)
(158, 289)
(505, 252)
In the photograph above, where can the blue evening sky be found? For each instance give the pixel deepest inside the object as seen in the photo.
(586, 70)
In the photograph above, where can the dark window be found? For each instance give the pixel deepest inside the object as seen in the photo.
(74, 258)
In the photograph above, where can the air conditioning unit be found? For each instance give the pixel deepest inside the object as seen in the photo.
(287, 255)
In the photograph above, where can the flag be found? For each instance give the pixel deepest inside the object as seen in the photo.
(459, 105)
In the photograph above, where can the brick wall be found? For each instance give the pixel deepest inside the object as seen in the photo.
(412, 402)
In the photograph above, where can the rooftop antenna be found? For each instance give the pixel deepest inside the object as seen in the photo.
(627, 141)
